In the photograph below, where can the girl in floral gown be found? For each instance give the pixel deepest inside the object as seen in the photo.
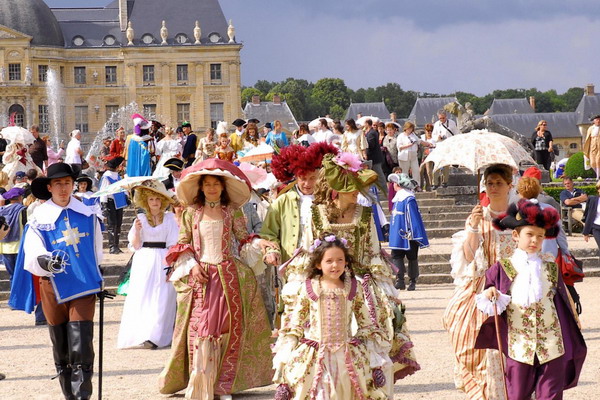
(15, 159)
(222, 334)
(477, 372)
(320, 358)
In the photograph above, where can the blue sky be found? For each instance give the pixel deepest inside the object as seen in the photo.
(426, 45)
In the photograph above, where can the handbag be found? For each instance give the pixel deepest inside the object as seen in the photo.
(571, 268)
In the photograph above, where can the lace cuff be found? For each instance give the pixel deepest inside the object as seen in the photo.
(462, 270)
(182, 266)
(252, 256)
(487, 307)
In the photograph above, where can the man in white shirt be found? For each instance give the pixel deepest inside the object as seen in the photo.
(323, 134)
(443, 129)
(74, 151)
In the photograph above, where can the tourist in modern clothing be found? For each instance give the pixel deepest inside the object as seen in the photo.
(475, 249)
(354, 140)
(74, 154)
(149, 310)
(38, 148)
(407, 231)
(542, 144)
(408, 149)
(277, 136)
(389, 143)
(443, 128)
(591, 146)
(117, 146)
(54, 156)
(375, 155)
(592, 218)
(574, 198)
(305, 138)
(15, 214)
(215, 350)
(427, 168)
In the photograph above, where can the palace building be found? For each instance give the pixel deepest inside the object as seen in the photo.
(177, 59)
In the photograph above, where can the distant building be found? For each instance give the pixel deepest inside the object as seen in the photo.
(425, 110)
(378, 110)
(269, 111)
(175, 59)
(512, 106)
(587, 108)
(562, 125)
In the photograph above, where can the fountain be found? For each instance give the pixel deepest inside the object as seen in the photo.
(55, 94)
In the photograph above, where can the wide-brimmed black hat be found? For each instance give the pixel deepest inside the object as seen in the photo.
(174, 164)
(529, 213)
(253, 121)
(268, 125)
(238, 122)
(39, 186)
(86, 179)
(115, 162)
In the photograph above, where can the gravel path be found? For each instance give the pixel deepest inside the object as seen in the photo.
(26, 359)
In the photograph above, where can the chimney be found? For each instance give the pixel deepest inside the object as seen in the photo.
(123, 15)
(256, 99)
(276, 99)
(589, 89)
(532, 102)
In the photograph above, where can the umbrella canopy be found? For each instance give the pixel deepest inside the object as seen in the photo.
(477, 150)
(314, 124)
(261, 152)
(361, 120)
(16, 134)
(255, 174)
(126, 185)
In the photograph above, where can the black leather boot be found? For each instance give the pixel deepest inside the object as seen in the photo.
(60, 352)
(117, 238)
(412, 285)
(111, 239)
(399, 263)
(81, 357)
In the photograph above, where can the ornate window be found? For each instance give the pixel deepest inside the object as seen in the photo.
(216, 114)
(79, 75)
(14, 72)
(112, 121)
(149, 111)
(214, 37)
(109, 40)
(182, 73)
(78, 40)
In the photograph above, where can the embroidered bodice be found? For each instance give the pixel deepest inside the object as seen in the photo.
(211, 236)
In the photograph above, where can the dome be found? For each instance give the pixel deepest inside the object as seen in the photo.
(33, 18)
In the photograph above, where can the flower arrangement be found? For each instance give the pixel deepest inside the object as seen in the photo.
(349, 161)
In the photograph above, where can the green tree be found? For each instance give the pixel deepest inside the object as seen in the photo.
(331, 91)
(264, 86)
(248, 92)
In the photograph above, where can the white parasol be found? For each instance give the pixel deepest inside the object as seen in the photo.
(262, 152)
(361, 121)
(314, 124)
(127, 185)
(16, 134)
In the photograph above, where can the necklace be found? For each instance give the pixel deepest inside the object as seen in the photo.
(494, 211)
(213, 204)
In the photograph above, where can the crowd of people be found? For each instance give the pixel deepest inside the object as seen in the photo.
(274, 272)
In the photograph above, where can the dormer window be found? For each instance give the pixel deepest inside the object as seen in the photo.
(214, 37)
(181, 38)
(147, 38)
(109, 40)
(78, 40)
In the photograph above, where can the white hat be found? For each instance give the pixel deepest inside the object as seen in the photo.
(74, 132)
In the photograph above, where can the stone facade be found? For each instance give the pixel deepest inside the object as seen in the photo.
(198, 82)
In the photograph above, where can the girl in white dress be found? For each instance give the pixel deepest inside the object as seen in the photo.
(167, 148)
(354, 140)
(149, 311)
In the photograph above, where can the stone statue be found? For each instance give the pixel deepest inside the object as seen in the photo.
(462, 116)
(231, 32)
(130, 34)
(197, 33)
(164, 33)
(28, 75)
(2, 75)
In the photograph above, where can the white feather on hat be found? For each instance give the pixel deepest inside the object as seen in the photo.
(221, 127)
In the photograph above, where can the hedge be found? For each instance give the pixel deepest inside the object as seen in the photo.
(575, 169)
(555, 191)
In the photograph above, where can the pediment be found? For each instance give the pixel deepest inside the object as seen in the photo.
(8, 33)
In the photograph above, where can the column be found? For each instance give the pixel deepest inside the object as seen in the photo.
(235, 102)
(201, 110)
(165, 107)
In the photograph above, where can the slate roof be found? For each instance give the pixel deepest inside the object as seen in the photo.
(267, 111)
(94, 23)
(33, 18)
(510, 106)
(425, 109)
(560, 124)
(587, 108)
(378, 110)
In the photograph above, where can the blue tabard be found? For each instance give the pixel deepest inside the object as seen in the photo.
(119, 198)
(74, 233)
(406, 224)
(138, 159)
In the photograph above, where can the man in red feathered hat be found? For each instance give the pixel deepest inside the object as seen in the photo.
(288, 220)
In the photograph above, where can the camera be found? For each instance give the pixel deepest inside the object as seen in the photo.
(3, 224)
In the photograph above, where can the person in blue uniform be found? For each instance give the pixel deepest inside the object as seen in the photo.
(407, 232)
(139, 148)
(62, 246)
(113, 205)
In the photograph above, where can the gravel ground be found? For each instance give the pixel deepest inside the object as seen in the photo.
(26, 359)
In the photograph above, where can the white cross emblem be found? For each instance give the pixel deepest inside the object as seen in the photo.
(71, 236)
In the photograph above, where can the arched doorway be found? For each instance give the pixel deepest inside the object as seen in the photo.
(19, 118)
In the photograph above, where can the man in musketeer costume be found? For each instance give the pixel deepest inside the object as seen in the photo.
(62, 250)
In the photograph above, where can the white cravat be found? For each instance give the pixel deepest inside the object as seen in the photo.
(527, 286)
